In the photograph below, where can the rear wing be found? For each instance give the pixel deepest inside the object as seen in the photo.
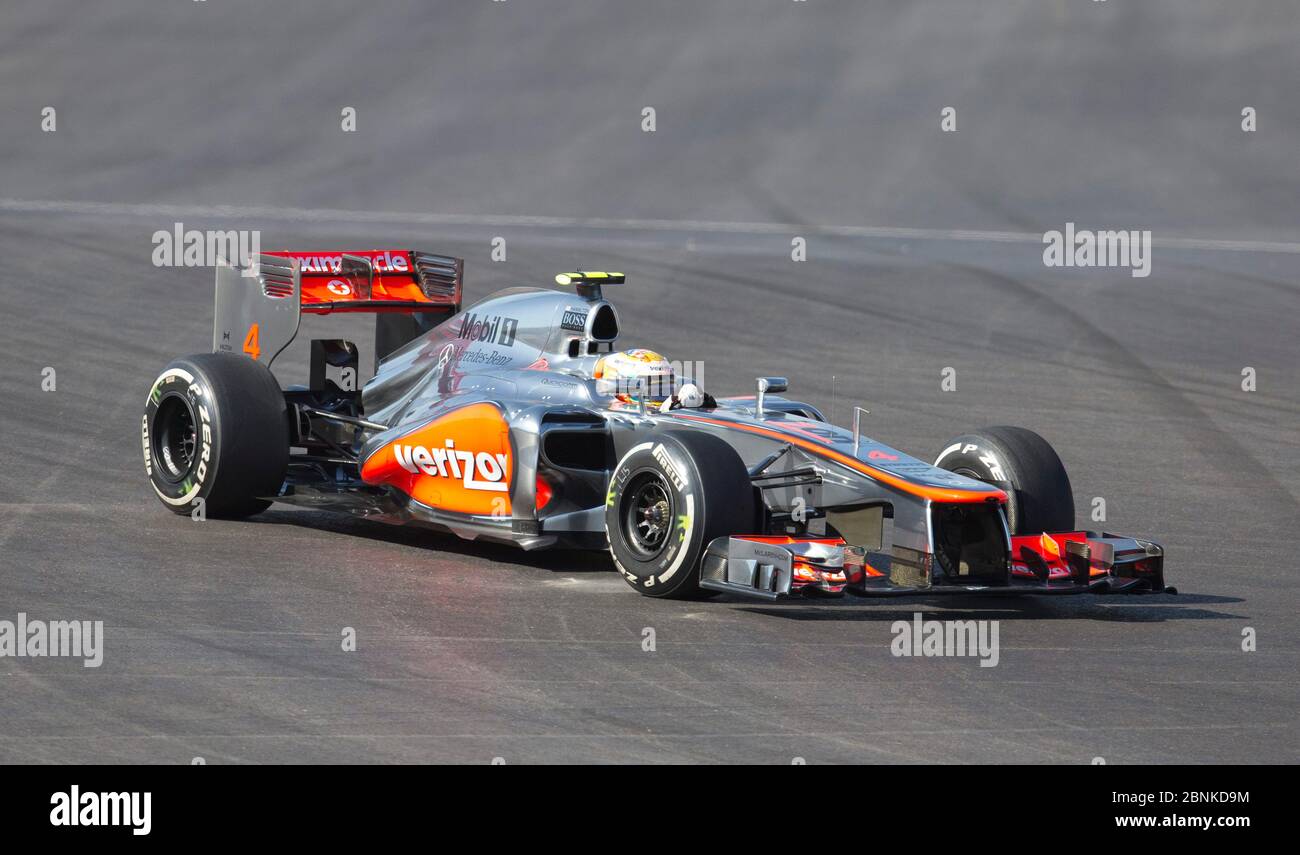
(377, 280)
(258, 308)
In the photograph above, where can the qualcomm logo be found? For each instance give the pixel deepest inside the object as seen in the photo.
(482, 471)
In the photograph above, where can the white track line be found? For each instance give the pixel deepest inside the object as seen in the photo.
(336, 215)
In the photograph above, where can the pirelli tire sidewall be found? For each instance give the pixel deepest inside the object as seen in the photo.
(1025, 466)
(240, 436)
(708, 484)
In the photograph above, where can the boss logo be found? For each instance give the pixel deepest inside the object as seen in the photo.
(572, 320)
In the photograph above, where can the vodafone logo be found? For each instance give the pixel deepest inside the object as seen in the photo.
(481, 471)
(877, 454)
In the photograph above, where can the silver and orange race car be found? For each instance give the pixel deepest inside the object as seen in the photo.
(517, 419)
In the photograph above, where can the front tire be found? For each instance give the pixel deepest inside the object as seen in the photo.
(1039, 496)
(668, 498)
(216, 429)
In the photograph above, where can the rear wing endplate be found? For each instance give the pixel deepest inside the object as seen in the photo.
(258, 308)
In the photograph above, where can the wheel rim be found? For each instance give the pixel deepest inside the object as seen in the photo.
(647, 514)
(175, 438)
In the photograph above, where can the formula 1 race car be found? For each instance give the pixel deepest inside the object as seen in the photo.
(517, 420)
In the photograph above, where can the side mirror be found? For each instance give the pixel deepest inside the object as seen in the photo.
(765, 385)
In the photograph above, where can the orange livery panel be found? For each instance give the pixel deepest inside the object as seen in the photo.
(461, 462)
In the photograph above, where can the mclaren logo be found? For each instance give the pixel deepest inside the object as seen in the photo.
(480, 471)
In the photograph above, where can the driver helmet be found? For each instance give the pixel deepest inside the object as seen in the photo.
(620, 374)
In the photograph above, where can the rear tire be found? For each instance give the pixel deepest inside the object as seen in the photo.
(668, 498)
(216, 429)
(1039, 496)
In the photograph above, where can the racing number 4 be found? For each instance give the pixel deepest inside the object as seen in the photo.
(251, 347)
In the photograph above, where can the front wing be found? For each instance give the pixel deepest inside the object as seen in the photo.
(1078, 562)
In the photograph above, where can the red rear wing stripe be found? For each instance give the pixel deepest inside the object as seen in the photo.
(401, 281)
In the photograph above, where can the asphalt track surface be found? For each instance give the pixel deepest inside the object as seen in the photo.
(774, 119)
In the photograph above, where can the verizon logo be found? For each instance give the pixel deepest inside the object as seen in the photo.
(482, 471)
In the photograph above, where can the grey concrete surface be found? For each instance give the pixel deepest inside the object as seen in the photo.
(223, 638)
